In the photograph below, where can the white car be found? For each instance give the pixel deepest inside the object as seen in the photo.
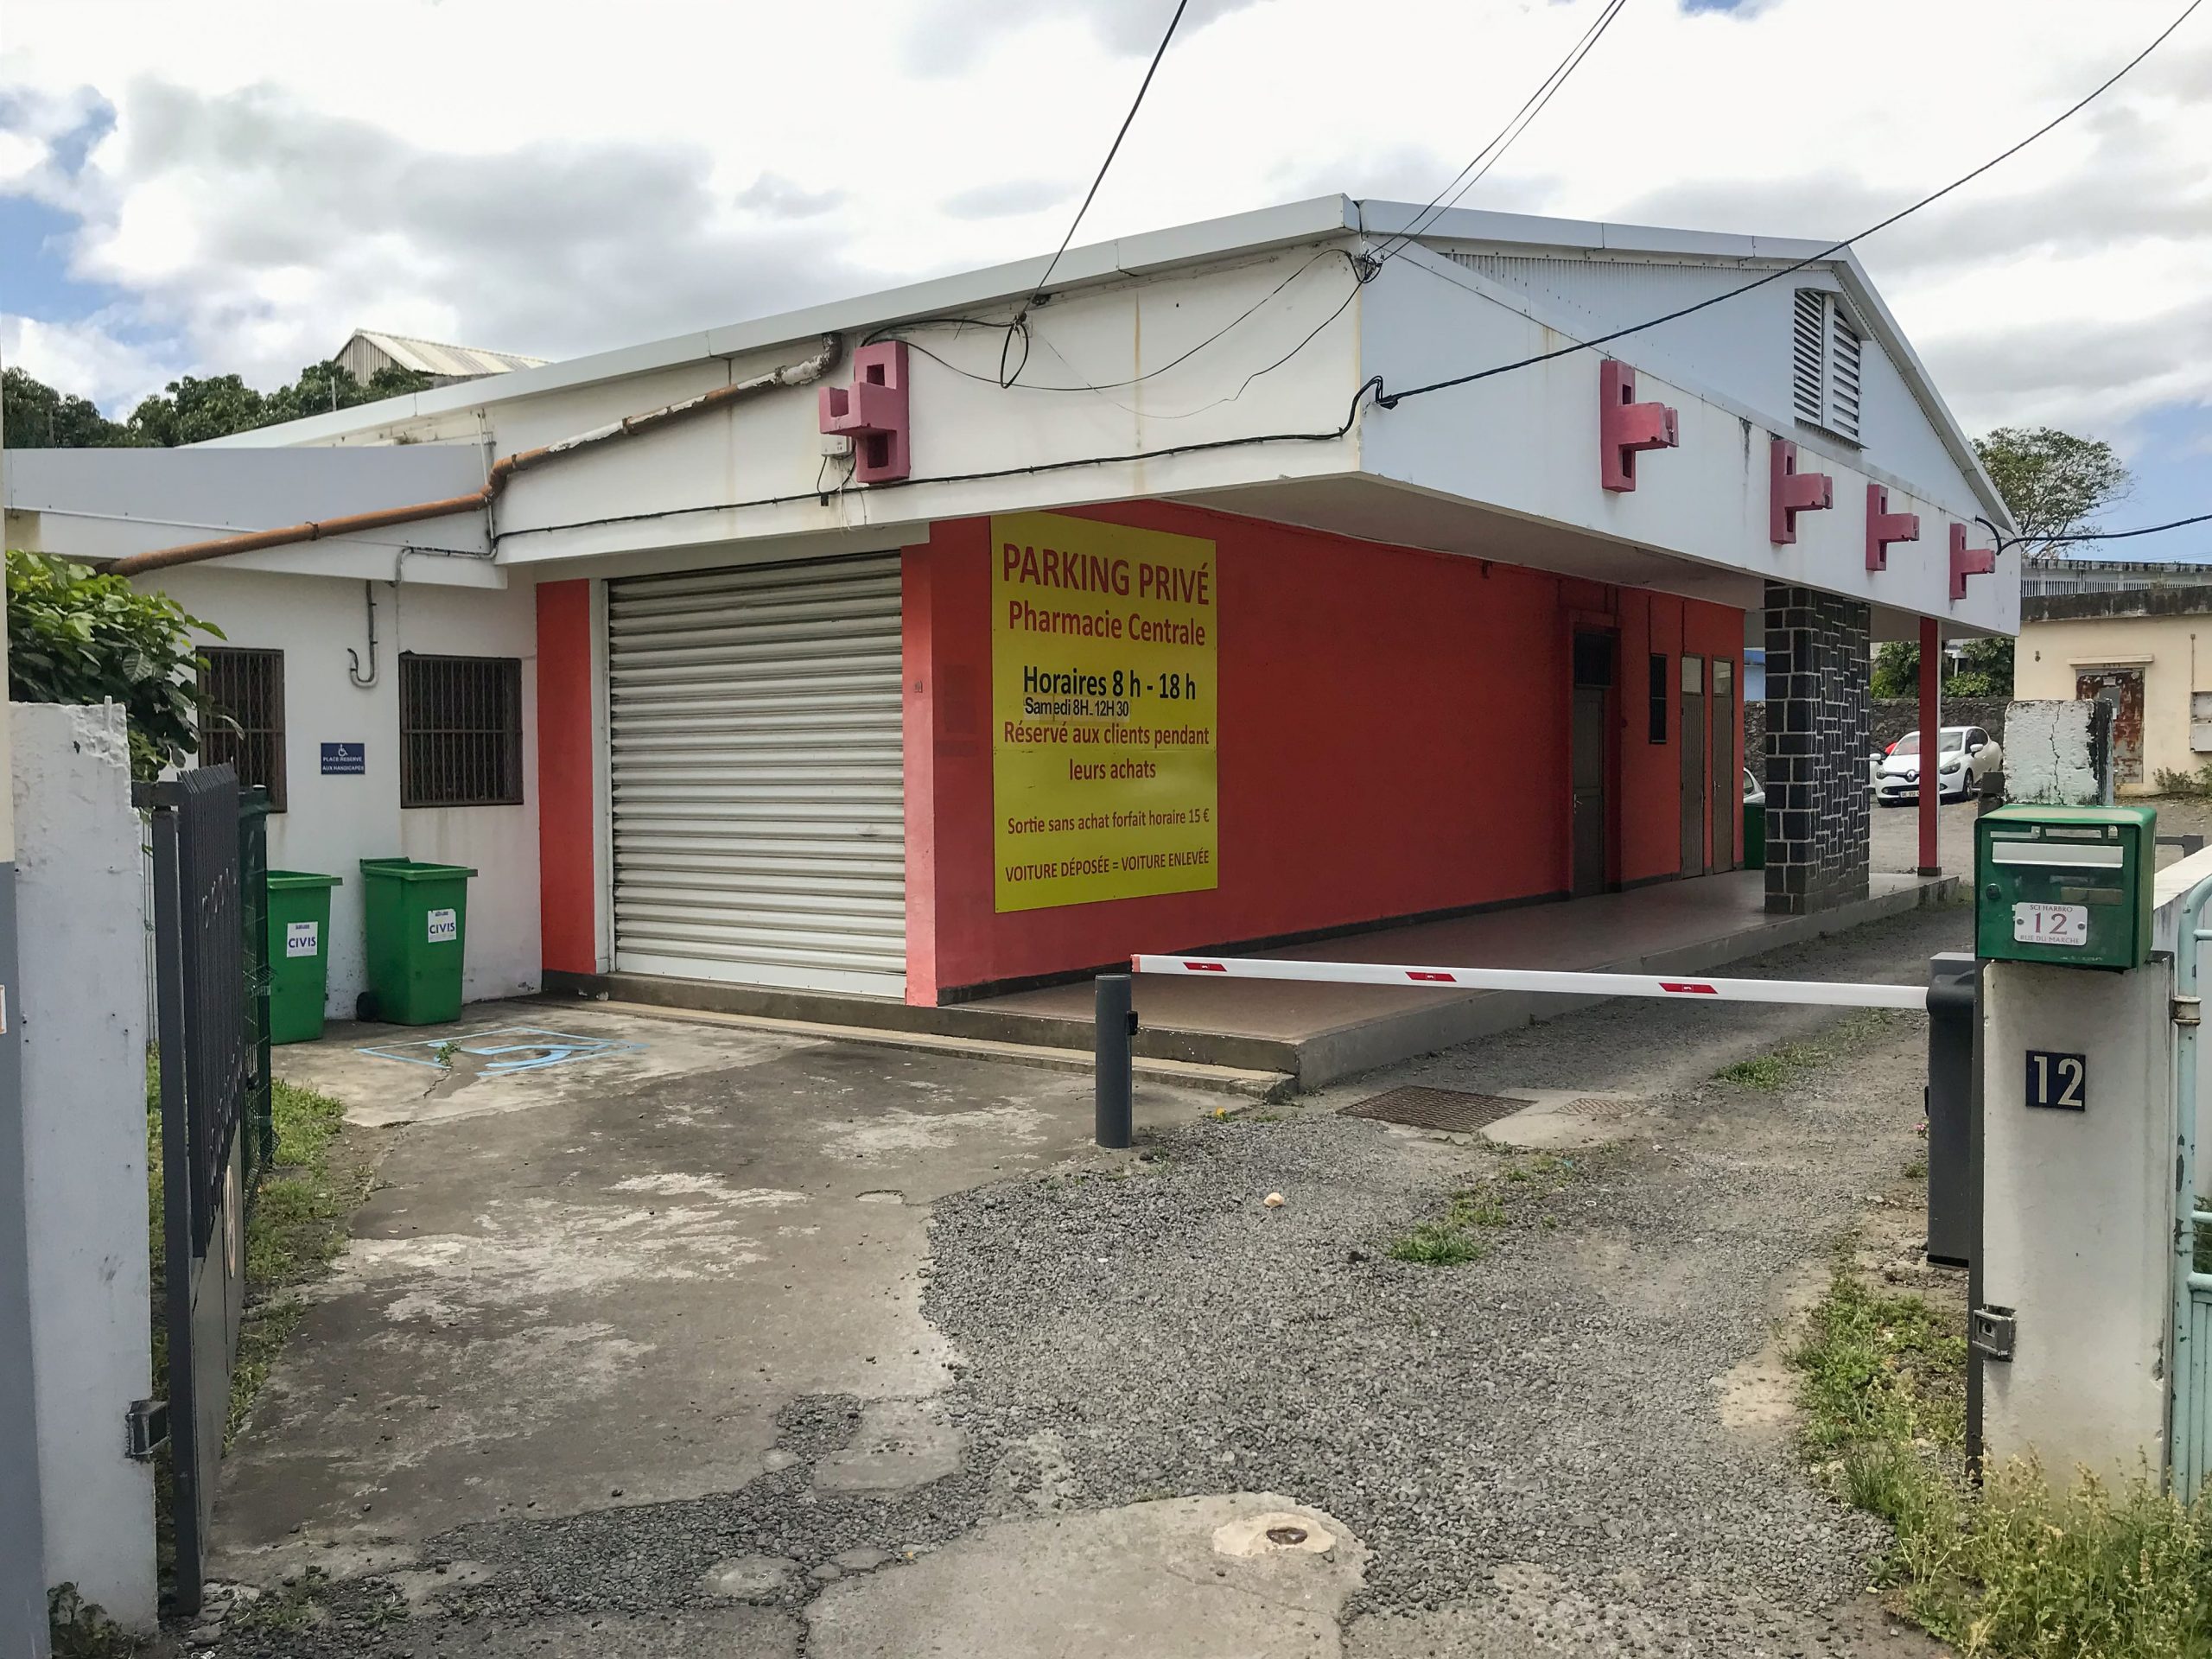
(1966, 755)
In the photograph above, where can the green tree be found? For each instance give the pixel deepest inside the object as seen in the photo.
(1896, 670)
(2054, 484)
(76, 636)
(191, 410)
(1985, 670)
(1982, 669)
(36, 416)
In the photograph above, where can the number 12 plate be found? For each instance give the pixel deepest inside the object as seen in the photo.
(2058, 1083)
(2051, 924)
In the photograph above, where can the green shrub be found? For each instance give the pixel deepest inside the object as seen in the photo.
(75, 637)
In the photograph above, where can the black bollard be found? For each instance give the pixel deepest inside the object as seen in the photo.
(1113, 1085)
(1954, 1008)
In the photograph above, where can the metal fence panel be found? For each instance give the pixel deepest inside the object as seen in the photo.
(210, 976)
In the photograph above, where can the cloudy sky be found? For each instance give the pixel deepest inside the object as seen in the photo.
(236, 185)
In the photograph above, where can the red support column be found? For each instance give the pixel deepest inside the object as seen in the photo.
(568, 912)
(1931, 685)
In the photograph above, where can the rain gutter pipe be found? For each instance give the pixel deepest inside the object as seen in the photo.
(523, 460)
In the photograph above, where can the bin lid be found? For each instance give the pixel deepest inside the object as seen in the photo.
(406, 869)
(303, 879)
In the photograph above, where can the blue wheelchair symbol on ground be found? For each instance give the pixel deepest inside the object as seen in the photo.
(508, 1048)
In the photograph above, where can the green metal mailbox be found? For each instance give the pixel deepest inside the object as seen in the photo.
(2065, 884)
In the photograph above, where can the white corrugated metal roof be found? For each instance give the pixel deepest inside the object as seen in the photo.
(429, 357)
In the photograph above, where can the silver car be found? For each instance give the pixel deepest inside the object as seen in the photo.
(1964, 755)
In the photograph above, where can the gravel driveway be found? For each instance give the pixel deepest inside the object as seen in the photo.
(1578, 1444)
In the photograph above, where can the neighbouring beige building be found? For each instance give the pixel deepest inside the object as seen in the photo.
(2138, 650)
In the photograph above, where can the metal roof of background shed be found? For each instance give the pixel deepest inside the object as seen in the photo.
(431, 357)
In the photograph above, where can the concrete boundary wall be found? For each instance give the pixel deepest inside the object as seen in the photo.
(83, 1082)
(2055, 752)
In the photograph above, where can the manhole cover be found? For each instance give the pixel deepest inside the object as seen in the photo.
(1601, 1109)
(1452, 1109)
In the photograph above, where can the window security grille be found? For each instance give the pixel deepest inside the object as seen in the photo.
(242, 717)
(460, 731)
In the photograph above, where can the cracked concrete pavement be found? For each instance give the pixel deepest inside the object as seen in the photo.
(598, 1281)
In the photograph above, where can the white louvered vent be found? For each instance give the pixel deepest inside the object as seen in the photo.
(1809, 354)
(1843, 375)
(1824, 364)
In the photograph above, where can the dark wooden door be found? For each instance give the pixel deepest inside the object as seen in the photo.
(1693, 748)
(1728, 789)
(1591, 826)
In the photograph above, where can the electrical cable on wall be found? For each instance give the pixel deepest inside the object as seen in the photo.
(1352, 416)
(899, 332)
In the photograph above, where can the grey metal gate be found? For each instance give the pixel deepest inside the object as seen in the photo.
(2189, 1430)
(210, 978)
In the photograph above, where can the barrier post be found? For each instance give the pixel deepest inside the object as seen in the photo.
(1954, 998)
(1115, 1061)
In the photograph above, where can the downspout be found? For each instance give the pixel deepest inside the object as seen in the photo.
(523, 460)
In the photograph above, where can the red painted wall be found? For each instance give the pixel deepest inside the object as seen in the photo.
(567, 920)
(1392, 739)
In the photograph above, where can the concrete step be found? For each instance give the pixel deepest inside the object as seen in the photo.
(1246, 1082)
(1245, 1063)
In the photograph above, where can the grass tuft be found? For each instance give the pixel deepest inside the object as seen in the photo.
(1773, 1071)
(296, 1227)
(2018, 1568)
(1451, 1239)
(1436, 1244)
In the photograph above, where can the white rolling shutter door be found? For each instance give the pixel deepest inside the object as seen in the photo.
(758, 775)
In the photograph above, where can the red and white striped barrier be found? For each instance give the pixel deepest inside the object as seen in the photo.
(1684, 988)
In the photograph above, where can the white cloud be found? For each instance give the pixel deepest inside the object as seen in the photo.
(87, 358)
(519, 176)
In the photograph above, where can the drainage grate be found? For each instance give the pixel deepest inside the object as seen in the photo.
(1452, 1109)
(1601, 1109)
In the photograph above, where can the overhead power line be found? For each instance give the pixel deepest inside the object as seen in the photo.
(1488, 155)
(1391, 400)
(1374, 383)
(1112, 150)
(1363, 268)
(2004, 542)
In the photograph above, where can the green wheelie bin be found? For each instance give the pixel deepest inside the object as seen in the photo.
(299, 953)
(416, 917)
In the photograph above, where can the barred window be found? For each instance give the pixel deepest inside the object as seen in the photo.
(242, 717)
(460, 731)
